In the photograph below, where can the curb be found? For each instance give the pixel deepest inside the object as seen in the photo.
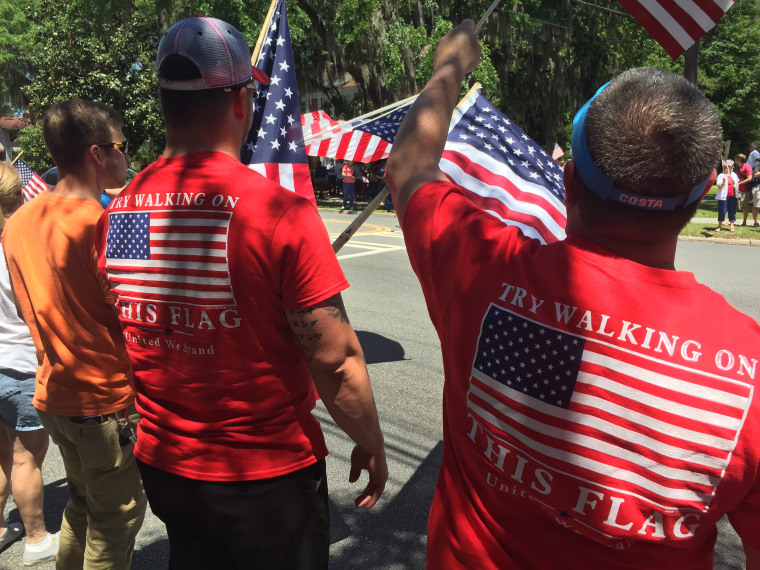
(725, 241)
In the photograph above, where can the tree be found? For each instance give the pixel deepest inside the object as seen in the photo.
(16, 47)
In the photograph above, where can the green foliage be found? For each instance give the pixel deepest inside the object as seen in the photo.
(541, 58)
(16, 44)
(98, 60)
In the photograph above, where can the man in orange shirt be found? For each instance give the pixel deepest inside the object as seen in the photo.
(84, 393)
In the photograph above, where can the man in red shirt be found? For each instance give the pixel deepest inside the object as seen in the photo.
(591, 420)
(744, 171)
(229, 298)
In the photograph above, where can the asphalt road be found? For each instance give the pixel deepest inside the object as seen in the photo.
(387, 310)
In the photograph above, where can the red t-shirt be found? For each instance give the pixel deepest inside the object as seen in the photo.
(744, 171)
(591, 417)
(203, 256)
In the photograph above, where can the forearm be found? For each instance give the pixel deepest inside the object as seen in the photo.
(421, 138)
(347, 394)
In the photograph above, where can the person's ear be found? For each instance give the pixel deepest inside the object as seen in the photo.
(572, 184)
(239, 103)
(94, 154)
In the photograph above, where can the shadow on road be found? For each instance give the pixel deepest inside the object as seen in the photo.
(378, 348)
(398, 531)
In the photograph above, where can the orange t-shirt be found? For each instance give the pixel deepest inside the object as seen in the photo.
(83, 364)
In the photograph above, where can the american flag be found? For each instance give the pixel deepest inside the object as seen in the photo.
(177, 256)
(358, 140)
(31, 183)
(676, 26)
(275, 142)
(504, 171)
(558, 152)
(578, 405)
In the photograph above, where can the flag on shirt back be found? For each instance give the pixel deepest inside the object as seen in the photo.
(504, 171)
(558, 152)
(275, 142)
(676, 26)
(170, 256)
(360, 140)
(31, 183)
(574, 404)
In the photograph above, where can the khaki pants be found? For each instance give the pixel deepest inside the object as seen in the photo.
(106, 503)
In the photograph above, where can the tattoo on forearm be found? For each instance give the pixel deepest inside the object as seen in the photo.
(304, 323)
(337, 313)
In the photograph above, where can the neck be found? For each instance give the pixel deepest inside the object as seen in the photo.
(78, 185)
(180, 142)
(645, 250)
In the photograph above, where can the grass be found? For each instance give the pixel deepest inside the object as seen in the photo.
(707, 209)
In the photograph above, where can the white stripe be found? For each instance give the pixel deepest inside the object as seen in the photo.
(684, 454)
(670, 24)
(286, 177)
(187, 237)
(697, 14)
(160, 222)
(590, 464)
(663, 381)
(175, 292)
(724, 4)
(124, 277)
(155, 250)
(165, 263)
(658, 403)
(260, 168)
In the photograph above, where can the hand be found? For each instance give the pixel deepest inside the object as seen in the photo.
(459, 47)
(378, 475)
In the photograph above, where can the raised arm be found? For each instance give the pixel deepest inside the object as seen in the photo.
(420, 140)
(337, 365)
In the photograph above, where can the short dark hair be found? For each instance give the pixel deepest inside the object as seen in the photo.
(71, 126)
(185, 107)
(655, 134)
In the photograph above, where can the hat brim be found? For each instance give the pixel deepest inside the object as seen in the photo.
(260, 76)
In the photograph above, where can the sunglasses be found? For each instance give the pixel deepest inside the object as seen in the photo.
(122, 146)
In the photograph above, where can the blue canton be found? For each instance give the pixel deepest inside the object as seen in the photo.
(128, 236)
(527, 356)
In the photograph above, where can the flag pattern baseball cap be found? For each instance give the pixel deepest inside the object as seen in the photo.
(216, 48)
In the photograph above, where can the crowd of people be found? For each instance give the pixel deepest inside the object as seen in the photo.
(173, 345)
(350, 181)
(739, 189)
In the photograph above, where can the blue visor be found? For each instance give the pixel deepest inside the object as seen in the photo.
(596, 181)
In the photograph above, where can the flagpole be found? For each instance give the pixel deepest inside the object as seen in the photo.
(485, 16)
(263, 33)
(17, 157)
(360, 219)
